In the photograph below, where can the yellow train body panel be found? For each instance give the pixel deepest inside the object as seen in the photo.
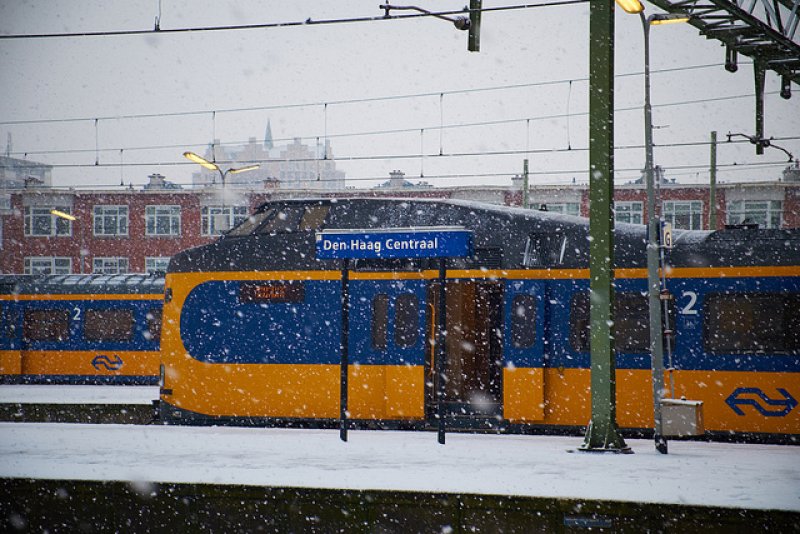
(10, 362)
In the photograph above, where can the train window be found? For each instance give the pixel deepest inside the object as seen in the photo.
(579, 322)
(251, 223)
(286, 219)
(46, 325)
(747, 323)
(406, 331)
(544, 249)
(8, 327)
(631, 323)
(153, 332)
(108, 325)
(313, 217)
(380, 320)
(523, 321)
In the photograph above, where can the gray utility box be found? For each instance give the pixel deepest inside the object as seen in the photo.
(681, 417)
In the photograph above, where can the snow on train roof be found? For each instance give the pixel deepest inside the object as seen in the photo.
(81, 283)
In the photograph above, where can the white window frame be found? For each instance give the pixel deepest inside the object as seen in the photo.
(115, 215)
(631, 212)
(565, 208)
(156, 213)
(212, 217)
(155, 264)
(766, 213)
(48, 265)
(110, 265)
(693, 208)
(57, 226)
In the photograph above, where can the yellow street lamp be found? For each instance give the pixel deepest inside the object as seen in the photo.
(82, 252)
(191, 156)
(63, 215)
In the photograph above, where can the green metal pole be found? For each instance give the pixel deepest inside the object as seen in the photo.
(712, 199)
(602, 434)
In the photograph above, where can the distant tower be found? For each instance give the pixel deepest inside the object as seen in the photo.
(268, 136)
(8, 146)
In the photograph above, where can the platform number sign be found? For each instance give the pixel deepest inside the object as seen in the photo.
(666, 234)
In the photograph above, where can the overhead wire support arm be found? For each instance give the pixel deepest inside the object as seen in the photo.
(761, 143)
(461, 23)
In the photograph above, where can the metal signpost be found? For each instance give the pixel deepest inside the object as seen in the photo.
(394, 243)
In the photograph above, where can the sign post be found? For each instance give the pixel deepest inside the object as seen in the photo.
(394, 243)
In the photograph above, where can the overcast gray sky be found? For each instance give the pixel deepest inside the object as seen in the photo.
(542, 51)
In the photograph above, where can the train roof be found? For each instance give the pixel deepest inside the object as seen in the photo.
(276, 237)
(94, 284)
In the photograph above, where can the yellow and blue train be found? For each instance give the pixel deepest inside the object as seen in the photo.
(253, 323)
(80, 329)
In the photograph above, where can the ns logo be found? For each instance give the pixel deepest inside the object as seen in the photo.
(110, 364)
(761, 402)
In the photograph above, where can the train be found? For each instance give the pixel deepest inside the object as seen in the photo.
(255, 330)
(80, 329)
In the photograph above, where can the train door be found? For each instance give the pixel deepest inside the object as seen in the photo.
(388, 347)
(524, 350)
(473, 351)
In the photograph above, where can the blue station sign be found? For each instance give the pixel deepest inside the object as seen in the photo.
(430, 242)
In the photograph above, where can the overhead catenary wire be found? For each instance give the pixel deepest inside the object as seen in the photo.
(349, 100)
(391, 131)
(158, 30)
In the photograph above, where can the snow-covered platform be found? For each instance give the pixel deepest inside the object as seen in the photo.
(757, 477)
(76, 394)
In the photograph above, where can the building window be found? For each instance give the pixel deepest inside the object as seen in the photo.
(40, 222)
(567, 208)
(111, 220)
(628, 212)
(156, 264)
(163, 220)
(684, 214)
(110, 265)
(216, 219)
(764, 213)
(48, 265)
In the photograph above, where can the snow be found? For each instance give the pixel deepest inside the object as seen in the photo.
(765, 477)
(74, 394)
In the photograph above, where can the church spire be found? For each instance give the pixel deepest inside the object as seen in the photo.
(268, 136)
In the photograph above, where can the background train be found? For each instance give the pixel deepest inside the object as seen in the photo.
(253, 323)
(80, 329)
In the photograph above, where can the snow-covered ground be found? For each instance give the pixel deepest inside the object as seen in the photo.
(74, 394)
(763, 477)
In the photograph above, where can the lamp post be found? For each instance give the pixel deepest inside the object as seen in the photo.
(71, 218)
(653, 222)
(191, 156)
